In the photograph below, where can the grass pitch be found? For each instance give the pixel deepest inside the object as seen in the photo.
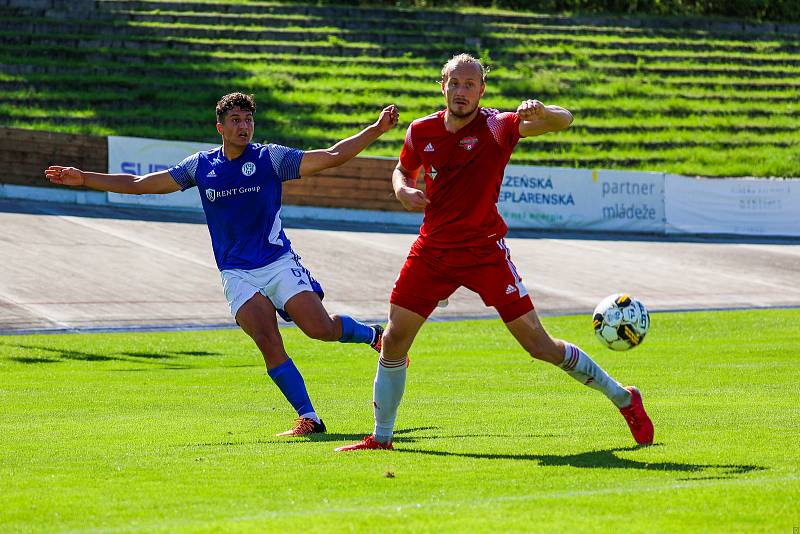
(166, 432)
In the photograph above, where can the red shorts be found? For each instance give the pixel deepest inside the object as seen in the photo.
(432, 274)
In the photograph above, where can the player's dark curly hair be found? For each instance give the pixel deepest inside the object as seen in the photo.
(240, 100)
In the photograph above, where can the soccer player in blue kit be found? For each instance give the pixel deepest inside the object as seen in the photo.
(240, 187)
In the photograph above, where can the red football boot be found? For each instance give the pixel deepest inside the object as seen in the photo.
(368, 442)
(640, 424)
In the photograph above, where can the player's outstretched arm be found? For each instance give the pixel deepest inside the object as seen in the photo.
(315, 161)
(404, 183)
(154, 183)
(537, 119)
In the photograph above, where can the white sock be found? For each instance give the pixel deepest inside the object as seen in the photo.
(580, 366)
(390, 382)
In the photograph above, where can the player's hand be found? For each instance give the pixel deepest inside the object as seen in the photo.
(412, 199)
(531, 109)
(64, 175)
(388, 118)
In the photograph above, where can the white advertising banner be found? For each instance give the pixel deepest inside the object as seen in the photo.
(138, 155)
(744, 206)
(582, 199)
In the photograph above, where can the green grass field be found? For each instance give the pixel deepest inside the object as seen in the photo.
(166, 432)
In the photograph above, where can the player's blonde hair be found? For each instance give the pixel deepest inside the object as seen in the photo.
(461, 59)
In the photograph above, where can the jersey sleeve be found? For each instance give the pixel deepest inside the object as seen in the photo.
(285, 161)
(408, 155)
(183, 173)
(505, 129)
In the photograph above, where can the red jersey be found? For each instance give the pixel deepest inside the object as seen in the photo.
(463, 174)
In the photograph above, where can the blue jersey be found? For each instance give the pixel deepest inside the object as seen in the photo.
(242, 201)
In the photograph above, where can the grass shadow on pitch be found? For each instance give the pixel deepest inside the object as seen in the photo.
(405, 435)
(355, 437)
(148, 355)
(61, 354)
(66, 354)
(171, 354)
(291, 440)
(24, 359)
(606, 459)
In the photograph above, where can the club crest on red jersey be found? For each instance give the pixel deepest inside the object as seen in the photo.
(468, 143)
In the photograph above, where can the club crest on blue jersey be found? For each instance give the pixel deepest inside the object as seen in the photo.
(249, 168)
(211, 194)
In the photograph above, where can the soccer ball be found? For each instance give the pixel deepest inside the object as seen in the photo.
(620, 322)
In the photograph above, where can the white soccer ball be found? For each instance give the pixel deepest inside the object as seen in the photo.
(620, 322)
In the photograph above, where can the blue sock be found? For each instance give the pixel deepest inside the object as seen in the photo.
(355, 332)
(288, 379)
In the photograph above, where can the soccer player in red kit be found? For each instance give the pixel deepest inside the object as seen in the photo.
(464, 150)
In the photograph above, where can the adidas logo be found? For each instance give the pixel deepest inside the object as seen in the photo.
(212, 174)
(428, 148)
(510, 289)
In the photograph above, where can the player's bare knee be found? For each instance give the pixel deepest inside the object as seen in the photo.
(395, 345)
(267, 342)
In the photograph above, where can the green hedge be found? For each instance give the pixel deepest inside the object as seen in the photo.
(695, 96)
(758, 10)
